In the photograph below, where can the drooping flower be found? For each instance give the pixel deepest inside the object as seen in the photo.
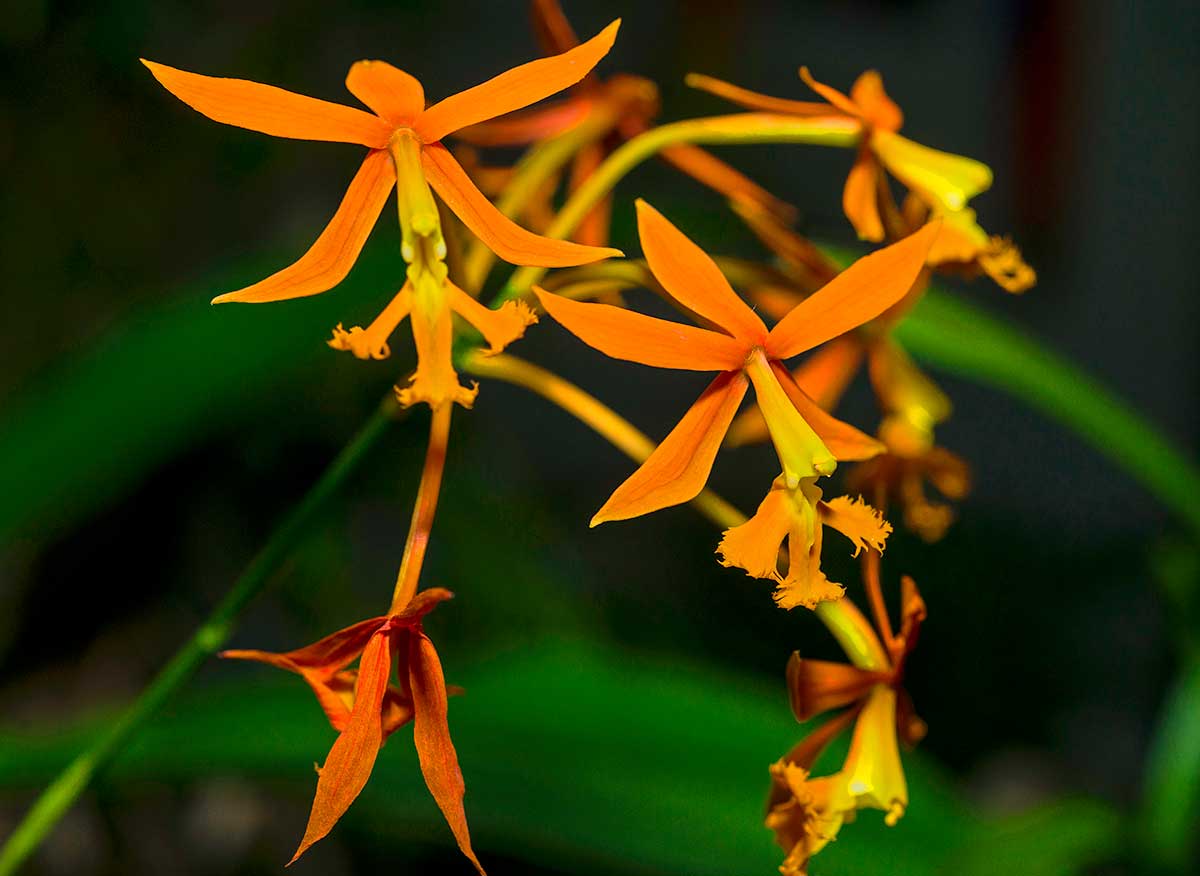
(365, 708)
(808, 442)
(806, 812)
(405, 152)
(941, 183)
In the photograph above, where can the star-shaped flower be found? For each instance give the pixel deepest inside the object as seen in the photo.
(808, 441)
(405, 152)
(365, 708)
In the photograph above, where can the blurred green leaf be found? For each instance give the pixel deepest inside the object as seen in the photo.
(163, 380)
(590, 758)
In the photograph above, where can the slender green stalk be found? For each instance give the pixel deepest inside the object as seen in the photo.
(62, 793)
(740, 128)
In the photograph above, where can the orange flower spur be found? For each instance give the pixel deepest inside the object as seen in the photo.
(806, 812)
(366, 708)
(403, 137)
(942, 183)
(808, 442)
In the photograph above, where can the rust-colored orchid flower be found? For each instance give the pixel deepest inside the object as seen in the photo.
(806, 812)
(941, 182)
(405, 152)
(808, 441)
(365, 708)
(618, 108)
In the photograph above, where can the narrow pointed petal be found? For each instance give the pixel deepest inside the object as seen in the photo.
(825, 374)
(868, 94)
(422, 604)
(500, 234)
(330, 259)
(431, 733)
(692, 278)
(353, 755)
(554, 32)
(831, 94)
(816, 686)
(530, 126)
(708, 170)
(391, 93)
(860, 201)
(912, 613)
(499, 327)
(857, 295)
(679, 467)
(752, 100)
(515, 88)
(845, 442)
(271, 110)
(634, 337)
(805, 752)
(943, 179)
(332, 652)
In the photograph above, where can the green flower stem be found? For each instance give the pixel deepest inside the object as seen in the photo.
(62, 793)
(741, 128)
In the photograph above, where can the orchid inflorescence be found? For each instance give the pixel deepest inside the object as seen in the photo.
(577, 148)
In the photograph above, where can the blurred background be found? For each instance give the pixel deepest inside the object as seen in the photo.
(625, 693)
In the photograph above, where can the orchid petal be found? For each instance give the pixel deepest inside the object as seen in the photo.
(679, 467)
(860, 196)
(331, 257)
(500, 234)
(530, 126)
(845, 442)
(635, 337)
(390, 92)
(692, 278)
(880, 110)
(271, 110)
(857, 295)
(353, 755)
(499, 327)
(515, 88)
(944, 180)
(831, 94)
(752, 100)
(816, 686)
(431, 734)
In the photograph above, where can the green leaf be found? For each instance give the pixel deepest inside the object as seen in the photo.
(589, 758)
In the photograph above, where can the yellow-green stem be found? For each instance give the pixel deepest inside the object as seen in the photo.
(733, 129)
(847, 624)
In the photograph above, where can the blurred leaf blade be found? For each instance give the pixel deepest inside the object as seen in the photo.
(591, 757)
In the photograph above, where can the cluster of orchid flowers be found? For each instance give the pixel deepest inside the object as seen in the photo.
(844, 317)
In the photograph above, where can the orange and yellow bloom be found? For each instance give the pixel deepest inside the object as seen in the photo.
(804, 812)
(405, 152)
(941, 183)
(365, 708)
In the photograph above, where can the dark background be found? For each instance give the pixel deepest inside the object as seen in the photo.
(1047, 653)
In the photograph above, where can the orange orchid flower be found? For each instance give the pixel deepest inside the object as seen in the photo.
(804, 812)
(365, 708)
(405, 152)
(628, 105)
(808, 441)
(941, 182)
